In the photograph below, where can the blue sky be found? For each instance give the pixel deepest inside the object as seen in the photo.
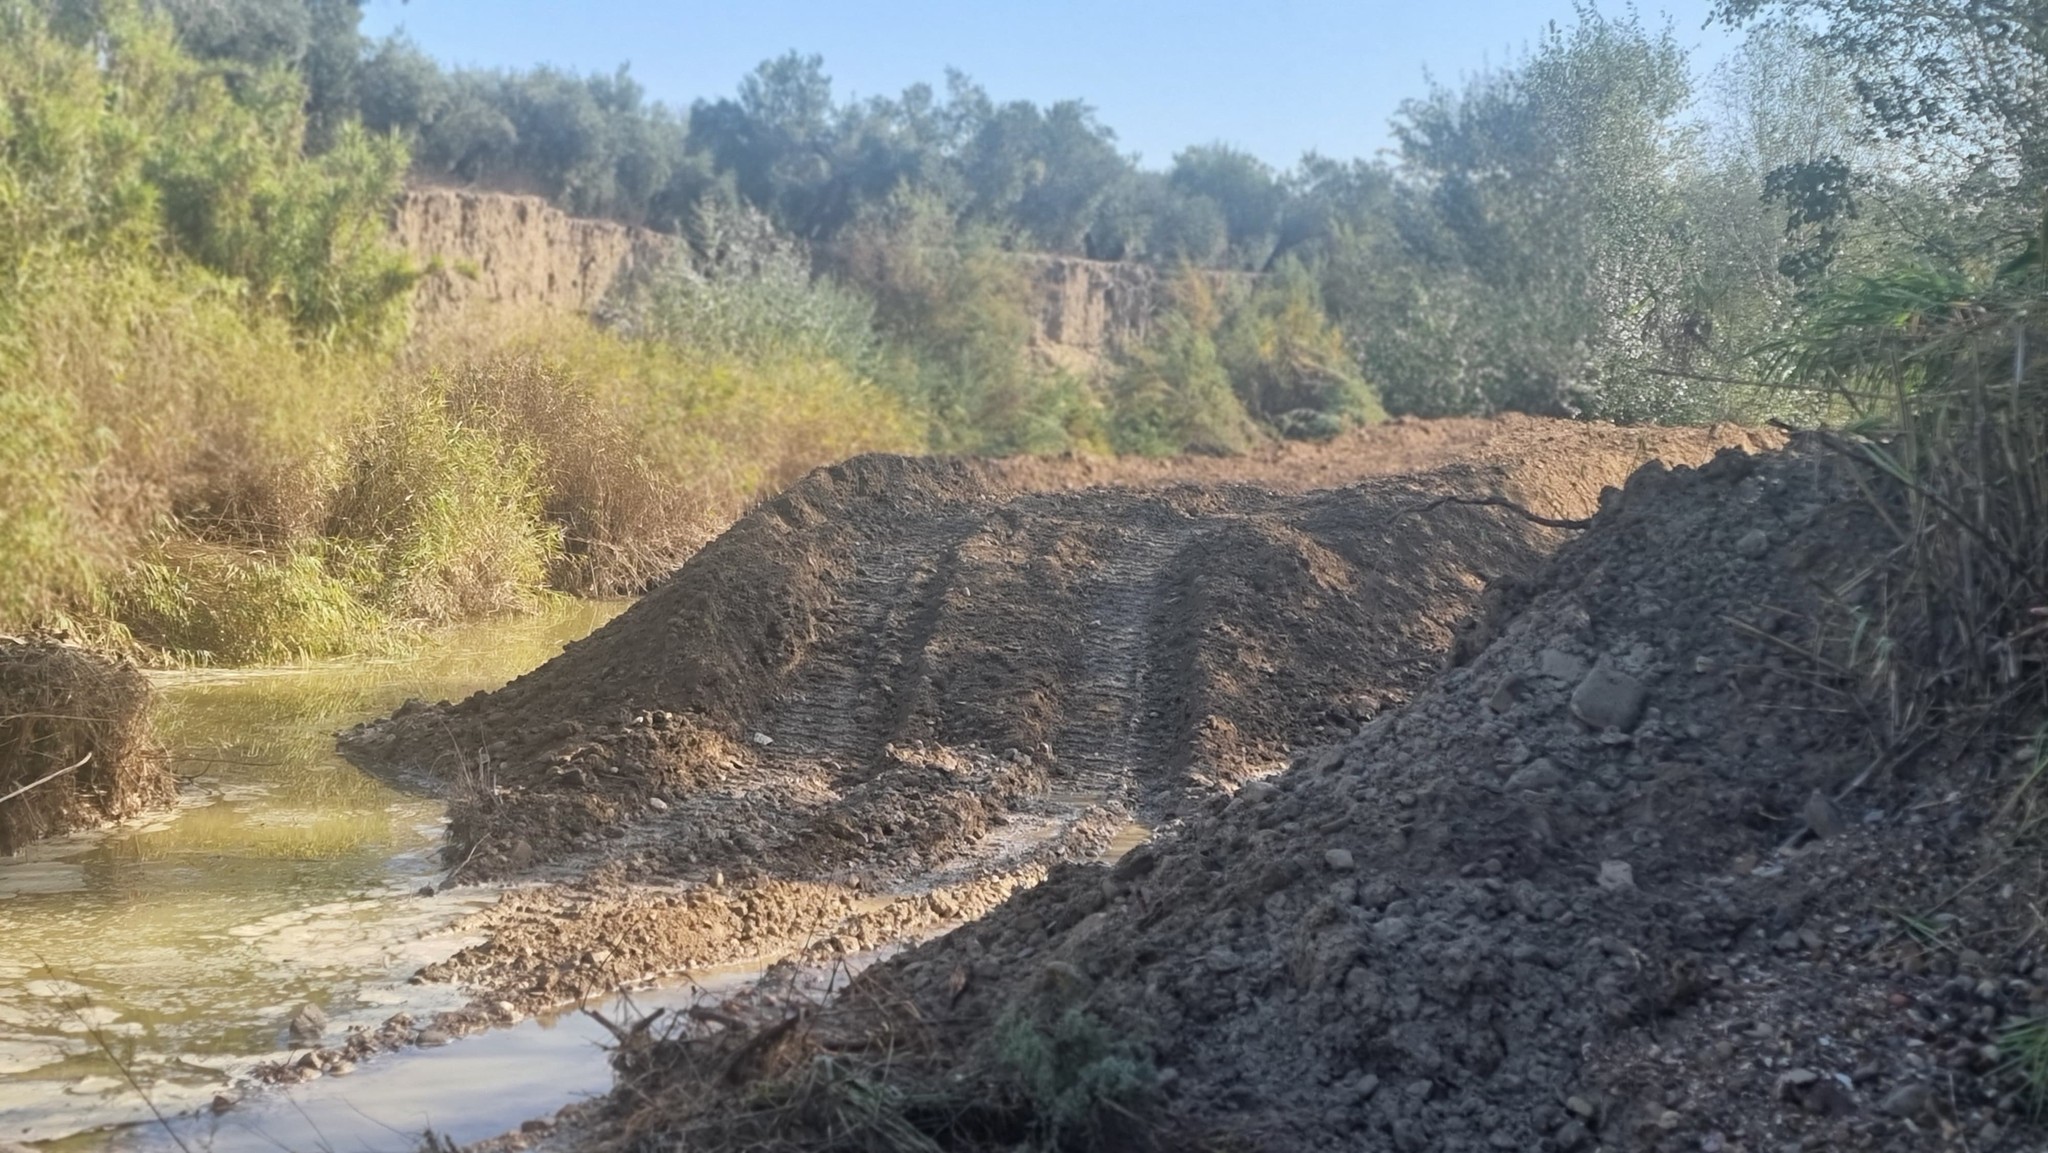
(1276, 77)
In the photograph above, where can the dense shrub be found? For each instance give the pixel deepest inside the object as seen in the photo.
(205, 604)
(443, 518)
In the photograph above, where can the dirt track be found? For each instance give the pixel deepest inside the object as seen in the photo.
(888, 697)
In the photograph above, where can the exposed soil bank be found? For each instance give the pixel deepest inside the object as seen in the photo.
(906, 688)
(1631, 877)
(76, 748)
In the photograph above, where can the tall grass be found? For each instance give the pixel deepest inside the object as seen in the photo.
(442, 519)
(646, 448)
(1942, 369)
(208, 604)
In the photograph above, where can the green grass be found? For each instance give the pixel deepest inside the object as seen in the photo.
(1085, 1086)
(208, 605)
(2025, 1046)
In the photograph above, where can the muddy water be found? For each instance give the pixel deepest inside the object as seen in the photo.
(178, 948)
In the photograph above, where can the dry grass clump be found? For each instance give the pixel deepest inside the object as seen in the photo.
(645, 450)
(75, 742)
(1956, 440)
(624, 522)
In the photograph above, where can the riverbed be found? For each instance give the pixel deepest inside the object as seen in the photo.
(164, 958)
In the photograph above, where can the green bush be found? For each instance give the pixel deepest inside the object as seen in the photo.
(1289, 363)
(957, 309)
(447, 517)
(1086, 1087)
(1175, 394)
(205, 604)
(1220, 367)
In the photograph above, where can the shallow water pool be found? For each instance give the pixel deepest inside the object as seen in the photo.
(174, 950)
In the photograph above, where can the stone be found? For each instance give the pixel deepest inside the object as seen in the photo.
(1559, 665)
(1339, 860)
(1822, 815)
(1539, 775)
(1256, 792)
(1223, 960)
(1753, 544)
(763, 740)
(430, 1038)
(1616, 876)
(1607, 699)
(1328, 759)
(657, 804)
(307, 1024)
(1508, 694)
(1792, 1081)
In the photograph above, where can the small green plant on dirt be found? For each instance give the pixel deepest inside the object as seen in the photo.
(2026, 807)
(2026, 1048)
(1086, 1088)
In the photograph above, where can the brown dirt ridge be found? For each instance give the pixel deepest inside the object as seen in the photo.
(900, 691)
(1631, 876)
(872, 670)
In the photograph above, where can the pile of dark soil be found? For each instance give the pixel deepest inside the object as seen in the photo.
(907, 688)
(76, 748)
(1633, 877)
(870, 673)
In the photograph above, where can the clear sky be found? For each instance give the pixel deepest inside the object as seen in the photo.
(1276, 77)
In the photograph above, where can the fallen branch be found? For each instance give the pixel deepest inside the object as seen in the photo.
(46, 780)
(1494, 502)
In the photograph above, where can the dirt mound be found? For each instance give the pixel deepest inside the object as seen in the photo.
(1632, 878)
(76, 748)
(1560, 462)
(872, 673)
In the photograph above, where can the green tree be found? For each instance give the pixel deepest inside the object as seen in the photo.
(1966, 80)
(1247, 193)
(1535, 258)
